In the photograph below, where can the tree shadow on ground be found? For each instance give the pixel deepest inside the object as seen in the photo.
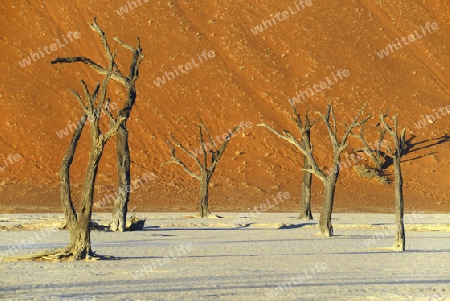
(411, 146)
(284, 227)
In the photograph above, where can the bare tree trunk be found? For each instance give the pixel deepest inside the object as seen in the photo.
(397, 153)
(80, 239)
(325, 226)
(305, 203)
(80, 245)
(64, 173)
(400, 227)
(119, 214)
(204, 207)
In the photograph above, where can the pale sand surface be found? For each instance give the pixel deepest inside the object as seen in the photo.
(214, 260)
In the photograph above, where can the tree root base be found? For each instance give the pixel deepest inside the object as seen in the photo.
(56, 255)
(325, 232)
(136, 224)
(209, 215)
(398, 248)
(305, 217)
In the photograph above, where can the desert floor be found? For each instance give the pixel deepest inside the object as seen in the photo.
(271, 256)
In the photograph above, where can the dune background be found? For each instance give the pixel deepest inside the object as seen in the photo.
(250, 79)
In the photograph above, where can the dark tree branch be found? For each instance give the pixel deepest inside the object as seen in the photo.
(184, 149)
(176, 160)
(376, 159)
(304, 147)
(220, 152)
(207, 132)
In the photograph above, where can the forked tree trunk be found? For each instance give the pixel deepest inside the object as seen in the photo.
(400, 227)
(325, 226)
(204, 208)
(305, 202)
(119, 213)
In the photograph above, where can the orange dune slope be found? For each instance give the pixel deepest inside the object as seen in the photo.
(235, 63)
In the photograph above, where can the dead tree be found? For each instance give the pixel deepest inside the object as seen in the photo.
(377, 158)
(329, 181)
(396, 154)
(79, 246)
(119, 214)
(305, 131)
(205, 172)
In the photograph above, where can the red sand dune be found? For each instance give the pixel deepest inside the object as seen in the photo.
(249, 79)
